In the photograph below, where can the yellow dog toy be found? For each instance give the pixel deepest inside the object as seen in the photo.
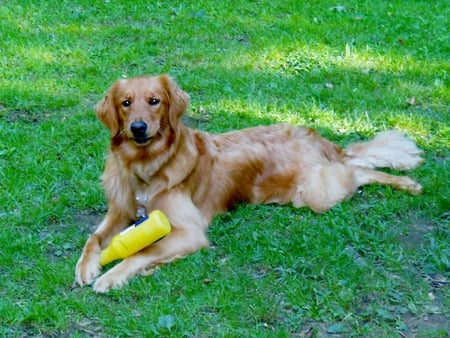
(136, 237)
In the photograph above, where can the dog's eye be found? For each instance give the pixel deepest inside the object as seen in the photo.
(153, 102)
(126, 103)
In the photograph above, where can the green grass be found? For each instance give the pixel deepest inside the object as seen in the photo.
(375, 266)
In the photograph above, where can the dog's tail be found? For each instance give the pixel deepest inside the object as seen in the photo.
(389, 149)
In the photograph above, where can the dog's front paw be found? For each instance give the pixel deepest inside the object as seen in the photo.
(109, 280)
(87, 269)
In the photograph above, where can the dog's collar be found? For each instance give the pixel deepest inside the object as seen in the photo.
(141, 210)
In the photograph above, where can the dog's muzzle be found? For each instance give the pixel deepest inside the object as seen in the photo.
(139, 131)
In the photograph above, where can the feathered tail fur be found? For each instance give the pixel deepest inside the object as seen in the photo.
(389, 149)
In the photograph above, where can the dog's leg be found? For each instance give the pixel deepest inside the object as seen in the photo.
(175, 245)
(324, 186)
(365, 176)
(88, 265)
(187, 236)
(327, 185)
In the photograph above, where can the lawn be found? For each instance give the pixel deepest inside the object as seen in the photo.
(377, 265)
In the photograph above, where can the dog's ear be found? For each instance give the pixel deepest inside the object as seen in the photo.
(178, 99)
(107, 112)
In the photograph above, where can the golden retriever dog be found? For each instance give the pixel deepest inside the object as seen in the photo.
(156, 162)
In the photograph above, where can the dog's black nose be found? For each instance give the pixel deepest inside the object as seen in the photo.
(139, 128)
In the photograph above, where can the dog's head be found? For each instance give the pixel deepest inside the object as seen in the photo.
(140, 109)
